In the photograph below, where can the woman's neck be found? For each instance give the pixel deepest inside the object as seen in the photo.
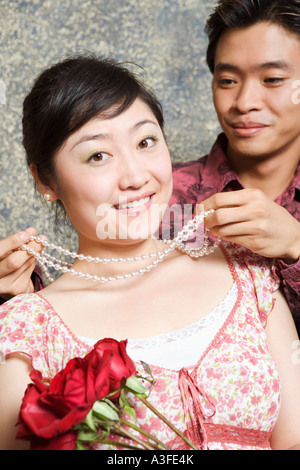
(131, 255)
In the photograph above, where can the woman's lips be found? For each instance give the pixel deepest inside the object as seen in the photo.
(135, 206)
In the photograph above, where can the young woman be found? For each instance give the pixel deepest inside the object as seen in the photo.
(215, 331)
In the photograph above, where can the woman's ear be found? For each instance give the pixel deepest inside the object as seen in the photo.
(49, 193)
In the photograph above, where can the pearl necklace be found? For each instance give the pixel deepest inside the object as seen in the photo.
(46, 260)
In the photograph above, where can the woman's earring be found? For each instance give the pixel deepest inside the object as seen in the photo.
(47, 197)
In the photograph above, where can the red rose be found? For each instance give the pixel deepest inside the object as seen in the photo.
(66, 441)
(120, 365)
(49, 412)
(46, 423)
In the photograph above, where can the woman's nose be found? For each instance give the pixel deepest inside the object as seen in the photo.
(133, 173)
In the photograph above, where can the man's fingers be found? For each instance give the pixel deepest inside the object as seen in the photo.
(219, 200)
(15, 261)
(232, 199)
(227, 216)
(11, 257)
(23, 276)
(15, 241)
(38, 247)
(234, 230)
(18, 259)
(18, 282)
(16, 266)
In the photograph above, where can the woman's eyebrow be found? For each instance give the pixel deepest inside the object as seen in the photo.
(88, 137)
(143, 123)
(107, 136)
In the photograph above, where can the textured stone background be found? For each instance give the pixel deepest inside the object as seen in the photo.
(165, 37)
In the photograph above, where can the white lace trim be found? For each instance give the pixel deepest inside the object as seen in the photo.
(207, 322)
(182, 347)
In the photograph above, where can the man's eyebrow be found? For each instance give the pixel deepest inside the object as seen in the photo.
(272, 64)
(223, 66)
(107, 136)
(275, 64)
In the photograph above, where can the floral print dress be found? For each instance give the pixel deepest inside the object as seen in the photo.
(229, 399)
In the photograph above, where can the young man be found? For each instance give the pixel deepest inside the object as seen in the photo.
(254, 166)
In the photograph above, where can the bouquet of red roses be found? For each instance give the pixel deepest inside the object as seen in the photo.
(85, 404)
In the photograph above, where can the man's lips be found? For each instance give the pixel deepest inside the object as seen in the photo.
(247, 125)
(247, 129)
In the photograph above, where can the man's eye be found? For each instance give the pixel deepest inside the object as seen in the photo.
(98, 157)
(225, 82)
(148, 142)
(274, 80)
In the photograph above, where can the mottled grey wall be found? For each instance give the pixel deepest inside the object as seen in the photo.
(165, 37)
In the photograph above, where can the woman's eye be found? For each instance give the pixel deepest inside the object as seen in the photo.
(148, 142)
(98, 157)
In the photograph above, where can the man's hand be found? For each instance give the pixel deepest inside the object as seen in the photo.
(17, 266)
(249, 218)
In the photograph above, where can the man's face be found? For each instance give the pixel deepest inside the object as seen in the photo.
(255, 69)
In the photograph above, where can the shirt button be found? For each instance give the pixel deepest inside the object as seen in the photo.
(297, 278)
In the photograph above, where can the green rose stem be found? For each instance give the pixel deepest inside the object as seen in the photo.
(167, 422)
(107, 410)
(119, 444)
(106, 416)
(139, 390)
(160, 445)
(118, 429)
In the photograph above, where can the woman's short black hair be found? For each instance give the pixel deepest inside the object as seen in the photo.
(236, 14)
(70, 93)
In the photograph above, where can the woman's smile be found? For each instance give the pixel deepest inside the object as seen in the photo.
(116, 171)
(135, 205)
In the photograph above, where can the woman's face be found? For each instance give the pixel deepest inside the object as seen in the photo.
(114, 176)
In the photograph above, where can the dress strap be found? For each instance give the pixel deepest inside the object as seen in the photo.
(198, 407)
(191, 395)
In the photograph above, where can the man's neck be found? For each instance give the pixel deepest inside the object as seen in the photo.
(272, 175)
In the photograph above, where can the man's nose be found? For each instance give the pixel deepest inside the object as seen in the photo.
(248, 97)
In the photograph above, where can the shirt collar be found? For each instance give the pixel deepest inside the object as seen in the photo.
(217, 169)
(293, 190)
(219, 172)
(296, 180)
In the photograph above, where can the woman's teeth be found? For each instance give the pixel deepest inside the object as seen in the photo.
(134, 204)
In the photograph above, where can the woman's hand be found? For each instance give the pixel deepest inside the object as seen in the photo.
(16, 266)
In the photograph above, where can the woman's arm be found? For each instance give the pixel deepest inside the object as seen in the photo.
(14, 378)
(282, 337)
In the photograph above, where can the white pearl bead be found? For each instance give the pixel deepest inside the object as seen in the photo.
(185, 234)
